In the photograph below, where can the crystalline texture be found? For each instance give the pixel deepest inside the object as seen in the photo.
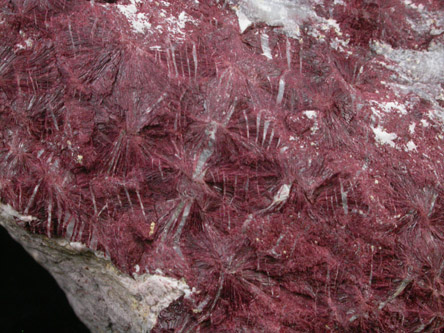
(282, 157)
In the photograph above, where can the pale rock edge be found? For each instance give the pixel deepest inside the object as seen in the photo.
(105, 299)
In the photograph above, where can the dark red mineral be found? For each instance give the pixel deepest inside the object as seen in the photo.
(284, 157)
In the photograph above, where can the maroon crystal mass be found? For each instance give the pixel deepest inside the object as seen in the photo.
(283, 157)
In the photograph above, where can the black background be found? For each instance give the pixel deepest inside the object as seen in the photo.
(30, 299)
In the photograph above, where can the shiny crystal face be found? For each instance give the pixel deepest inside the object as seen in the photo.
(283, 157)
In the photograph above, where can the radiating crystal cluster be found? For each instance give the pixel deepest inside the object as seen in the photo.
(283, 157)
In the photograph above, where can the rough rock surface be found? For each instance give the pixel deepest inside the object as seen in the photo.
(279, 162)
(104, 298)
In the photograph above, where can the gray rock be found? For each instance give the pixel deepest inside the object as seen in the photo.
(102, 297)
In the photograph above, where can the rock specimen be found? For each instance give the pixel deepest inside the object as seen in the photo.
(246, 166)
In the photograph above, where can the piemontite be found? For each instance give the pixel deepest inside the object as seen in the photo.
(229, 166)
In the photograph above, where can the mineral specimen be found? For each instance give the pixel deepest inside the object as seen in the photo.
(245, 165)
